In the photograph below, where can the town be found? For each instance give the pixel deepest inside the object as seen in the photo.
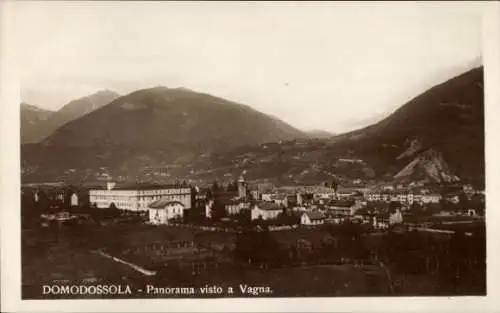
(405, 239)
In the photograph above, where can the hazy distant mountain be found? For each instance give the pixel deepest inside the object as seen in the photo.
(72, 110)
(318, 133)
(160, 124)
(80, 107)
(31, 118)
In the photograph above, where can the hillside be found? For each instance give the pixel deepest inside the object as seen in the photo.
(31, 119)
(447, 119)
(72, 110)
(437, 136)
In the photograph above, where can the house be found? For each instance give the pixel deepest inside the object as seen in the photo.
(307, 198)
(163, 210)
(74, 199)
(364, 216)
(208, 208)
(242, 187)
(281, 200)
(467, 188)
(255, 194)
(380, 221)
(298, 198)
(312, 218)
(342, 207)
(345, 192)
(267, 197)
(299, 208)
(453, 198)
(395, 218)
(265, 210)
(471, 212)
(374, 196)
(234, 206)
(431, 198)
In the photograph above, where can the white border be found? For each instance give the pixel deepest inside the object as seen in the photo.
(10, 218)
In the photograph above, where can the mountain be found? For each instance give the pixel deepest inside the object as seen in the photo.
(163, 134)
(72, 110)
(443, 126)
(80, 107)
(320, 134)
(31, 118)
(156, 125)
(436, 137)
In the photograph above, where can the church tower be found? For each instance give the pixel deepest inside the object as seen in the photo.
(242, 187)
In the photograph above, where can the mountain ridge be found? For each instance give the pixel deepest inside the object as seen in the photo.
(70, 111)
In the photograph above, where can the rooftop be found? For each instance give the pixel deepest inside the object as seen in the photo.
(268, 206)
(147, 186)
(341, 203)
(162, 203)
(315, 215)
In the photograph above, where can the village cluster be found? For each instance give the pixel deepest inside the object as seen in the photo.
(380, 206)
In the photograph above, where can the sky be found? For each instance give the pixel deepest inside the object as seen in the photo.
(329, 66)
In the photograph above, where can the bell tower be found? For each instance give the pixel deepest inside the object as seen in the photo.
(242, 187)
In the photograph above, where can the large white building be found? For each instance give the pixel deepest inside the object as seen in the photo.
(138, 197)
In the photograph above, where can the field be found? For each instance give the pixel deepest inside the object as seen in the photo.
(69, 255)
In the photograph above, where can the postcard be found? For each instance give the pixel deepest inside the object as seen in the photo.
(261, 156)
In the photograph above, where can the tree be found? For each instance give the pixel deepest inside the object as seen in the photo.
(244, 217)
(232, 186)
(215, 187)
(259, 248)
(394, 205)
(463, 201)
(335, 185)
(218, 210)
(477, 203)
(416, 208)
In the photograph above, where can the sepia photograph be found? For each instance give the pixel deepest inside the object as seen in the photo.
(202, 150)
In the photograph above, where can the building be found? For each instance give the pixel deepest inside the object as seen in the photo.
(468, 189)
(267, 197)
(234, 207)
(299, 198)
(161, 211)
(208, 208)
(74, 199)
(299, 208)
(265, 210)
(395, 218)
(342, 207)
(242, 187)
(255, 194)
(281, 200)
(312, 218)
(380, 221)
(431, 198)
(139, 196)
